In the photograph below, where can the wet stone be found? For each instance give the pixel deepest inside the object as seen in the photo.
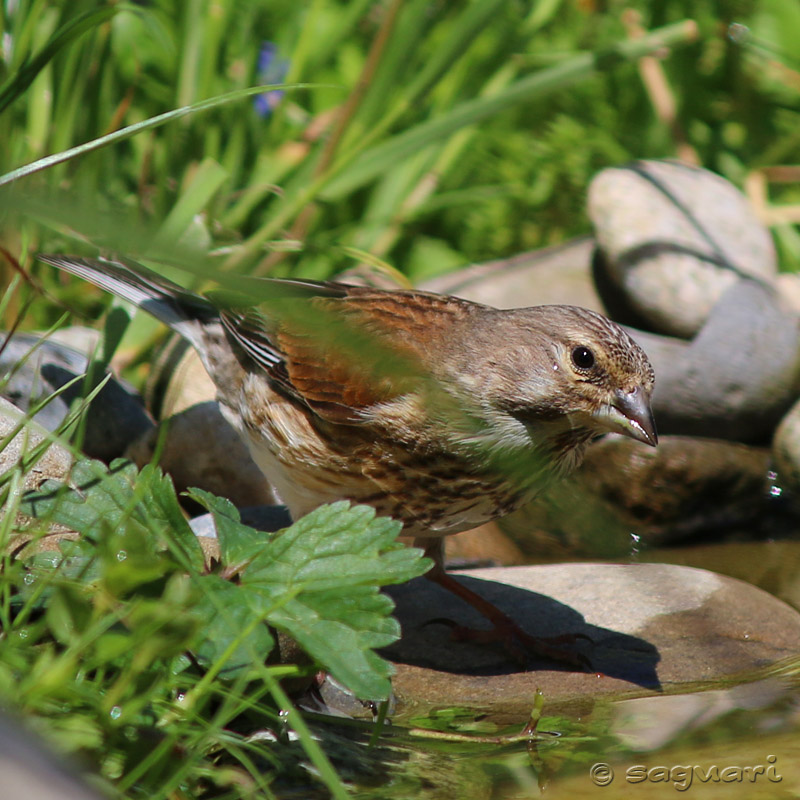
(627, 497)
(116, 416)
(653, 626)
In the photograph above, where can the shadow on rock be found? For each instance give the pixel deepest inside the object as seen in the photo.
(427, 614)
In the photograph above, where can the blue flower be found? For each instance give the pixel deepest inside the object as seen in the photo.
(271, 69)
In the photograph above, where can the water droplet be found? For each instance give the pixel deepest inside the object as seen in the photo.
(115, 713)
(121, 555)
(22, 633)
(29, 578)
(775, 491)
(738, 33)
(635, 538)
(772, 476)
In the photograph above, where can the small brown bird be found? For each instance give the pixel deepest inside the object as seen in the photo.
(439, 412)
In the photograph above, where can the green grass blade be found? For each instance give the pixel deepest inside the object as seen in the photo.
(370, 164)
(139, 127)
(16, 85)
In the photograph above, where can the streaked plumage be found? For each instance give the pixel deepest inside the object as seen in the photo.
(440, 412)
(444, 413)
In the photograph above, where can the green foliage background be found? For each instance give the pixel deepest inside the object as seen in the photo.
(327, 169)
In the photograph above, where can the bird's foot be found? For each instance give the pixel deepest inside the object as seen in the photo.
(519, 644)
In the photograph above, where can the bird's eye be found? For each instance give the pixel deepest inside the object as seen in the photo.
(583, 357)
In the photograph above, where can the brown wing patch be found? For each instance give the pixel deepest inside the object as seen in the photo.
(344, 355)
(353, 353)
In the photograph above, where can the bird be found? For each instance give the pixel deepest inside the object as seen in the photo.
(437, 411)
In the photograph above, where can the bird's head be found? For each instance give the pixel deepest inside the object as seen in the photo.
(564, 372)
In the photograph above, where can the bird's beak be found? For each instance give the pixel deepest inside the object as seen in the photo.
(629, 413)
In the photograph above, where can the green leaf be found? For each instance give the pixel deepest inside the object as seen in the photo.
(22, 79)
(318, 581)
(233, 634)
(109, 505)
(237, 542)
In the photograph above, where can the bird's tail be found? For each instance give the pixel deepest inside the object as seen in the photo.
(165, 300)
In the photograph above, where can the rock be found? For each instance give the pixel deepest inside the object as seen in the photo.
(673, 239)
(178, 380)
(772, 565)
(77, 338)
(788, 287)
(786, 449)
(31, 770)
(55, 462)
(737, 378)
(116, 416)
(222, 464)
(627, 497)
(654, 627)
(560, 274)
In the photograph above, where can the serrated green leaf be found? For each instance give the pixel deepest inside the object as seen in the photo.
(319, 580)
(113, 506)
(238, 543)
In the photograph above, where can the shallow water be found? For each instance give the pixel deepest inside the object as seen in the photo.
(728, 738)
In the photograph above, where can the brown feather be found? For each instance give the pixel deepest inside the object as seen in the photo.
(368, 348)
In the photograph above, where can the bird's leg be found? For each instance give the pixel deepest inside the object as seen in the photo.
(517, 642)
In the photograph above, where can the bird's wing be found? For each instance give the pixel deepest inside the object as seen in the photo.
(343, 349)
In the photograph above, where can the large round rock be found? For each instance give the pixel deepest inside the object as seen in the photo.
(673, 238)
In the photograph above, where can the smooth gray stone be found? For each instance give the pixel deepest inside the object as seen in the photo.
(739, 375)
(31, 772)
(674, 238)
(552, 275)
(116, 416)
(653, 627)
